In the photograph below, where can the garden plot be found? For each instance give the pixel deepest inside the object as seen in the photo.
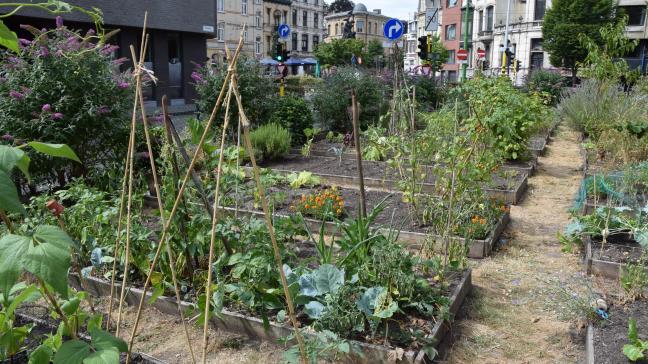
(508, 186)
(480, 231)
(610, 259)
(606, 340)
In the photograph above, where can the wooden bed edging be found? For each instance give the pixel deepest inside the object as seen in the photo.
(589, 345)
(479, 248)
(603, 268)
(513, 196)
(254, 328)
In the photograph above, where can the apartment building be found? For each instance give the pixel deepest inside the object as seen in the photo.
(368, 24)
(178, 32)
(637, 29)
(232, 16)
(451, 36)
(307, 27)
(275, 13)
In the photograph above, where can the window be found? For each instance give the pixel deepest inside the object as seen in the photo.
(375, 28)
(368, 27)
(277, 18)
(294, 41)
(452, 76)
(315, 41)
(328, 29)
(258, 2)
(536, 45)
(245, 34)
(244, 4)
(359, 26)
(451, 57)
(316, 20)
(257, 19)
(294, 17)
(451, 3)
(539, 9)
(257, 45)
(305, 42)
(481, 21)
(220, 5)
(489, 18)
(220, 32)
(285, 17)
(636, 14)
(305, 19)
(336, 29)
(174, 82)
(451, 32)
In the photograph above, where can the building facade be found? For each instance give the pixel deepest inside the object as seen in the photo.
(451, 35)
(368, 24)
(637, 29)
(178, 32)
(232, 16)
(307, 27)
(275, 13)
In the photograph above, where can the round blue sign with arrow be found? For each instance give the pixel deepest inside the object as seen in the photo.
(393, 29)
(284, 31)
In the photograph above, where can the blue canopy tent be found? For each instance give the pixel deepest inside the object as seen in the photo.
(268, 62)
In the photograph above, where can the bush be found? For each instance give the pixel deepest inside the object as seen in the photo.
(332, 99)
(549, 84)
(65, 88)
(258, 93)
(293, 114)
(428, 94)
(270, 141)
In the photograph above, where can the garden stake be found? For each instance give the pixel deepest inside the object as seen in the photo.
(193, 263)
(212, 239)
(268, 220)
(356, 138)
(138, 65)
(446, 233)
(122, 201)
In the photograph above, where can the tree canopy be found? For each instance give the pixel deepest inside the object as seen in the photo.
(563, 23)
(340, 6)
(339, 51)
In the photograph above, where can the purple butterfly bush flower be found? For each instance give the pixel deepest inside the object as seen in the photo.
(57, 116)
(46, 108)
(59, 53)
(16, 95)
(59, 22)
(7, 137)
(123, 84)
(44, 51)
(157, 119)
(120, 61)
(24, 42)
(197, 77)
(103, 109)
(108, 49)
(90, 33)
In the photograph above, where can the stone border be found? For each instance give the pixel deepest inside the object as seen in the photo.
(413, 240)
(253, 327)
(513, 196)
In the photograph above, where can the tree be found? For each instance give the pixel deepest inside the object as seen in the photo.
(563, 23)
(340, 6)
(374, 49)
(339, 51)
(440, 52)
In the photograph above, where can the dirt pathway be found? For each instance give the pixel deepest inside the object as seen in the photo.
(522, 308)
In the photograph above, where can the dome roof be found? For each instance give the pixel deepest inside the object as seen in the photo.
(360, 8)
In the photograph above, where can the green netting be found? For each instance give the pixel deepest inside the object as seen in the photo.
(604, 186)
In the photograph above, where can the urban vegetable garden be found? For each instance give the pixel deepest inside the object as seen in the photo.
(341, 222)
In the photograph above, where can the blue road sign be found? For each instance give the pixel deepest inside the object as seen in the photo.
(393, 29)
(284, 31)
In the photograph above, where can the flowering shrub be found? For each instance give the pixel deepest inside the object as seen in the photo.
(65, 87)
(320, 204)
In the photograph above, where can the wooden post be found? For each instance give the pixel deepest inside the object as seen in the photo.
(356, 138)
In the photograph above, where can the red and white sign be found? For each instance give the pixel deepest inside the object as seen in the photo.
(462, 54)
(481, 53)
(281, 68)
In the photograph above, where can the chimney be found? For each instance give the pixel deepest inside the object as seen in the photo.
(377, 11)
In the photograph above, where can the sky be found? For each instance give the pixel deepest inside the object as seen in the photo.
(394, 8)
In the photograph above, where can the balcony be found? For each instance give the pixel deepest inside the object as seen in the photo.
(483, 35)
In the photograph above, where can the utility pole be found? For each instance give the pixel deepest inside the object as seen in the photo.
(464, 67)
(506, 33)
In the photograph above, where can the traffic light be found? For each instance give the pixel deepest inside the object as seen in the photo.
(423, 47)
(510, 57)
(279, 52)
(517, 66)
(284, 54)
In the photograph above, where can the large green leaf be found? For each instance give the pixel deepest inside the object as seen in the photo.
(642, 238)
(314, 309)
(9, 200)
(8, 38)
(49, 257)
(328, 279)
(55, 150)
(108, 356)
(72, 352)
(102, 340)
(367, 302)
(633, 353)
(12, 248)
(42, 355)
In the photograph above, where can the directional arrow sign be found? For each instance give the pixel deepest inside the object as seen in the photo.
(284, 31)
(393, 29)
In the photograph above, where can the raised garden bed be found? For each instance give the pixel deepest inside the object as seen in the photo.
(254, 327)
(605, 340)
(619, 250)
(538, 145)
(378, 175)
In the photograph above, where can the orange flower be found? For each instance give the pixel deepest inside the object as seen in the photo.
(306, 206)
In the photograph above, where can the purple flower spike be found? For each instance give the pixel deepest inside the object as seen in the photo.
(46, 107)
(59, 53)
(196, 76)
(24, 42)
(57, 116)
(7, 137)
(103, 109)
(16, 95)
(123, 85)
(44, 51)
(59, 22)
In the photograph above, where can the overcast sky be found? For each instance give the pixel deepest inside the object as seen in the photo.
(394, 8)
